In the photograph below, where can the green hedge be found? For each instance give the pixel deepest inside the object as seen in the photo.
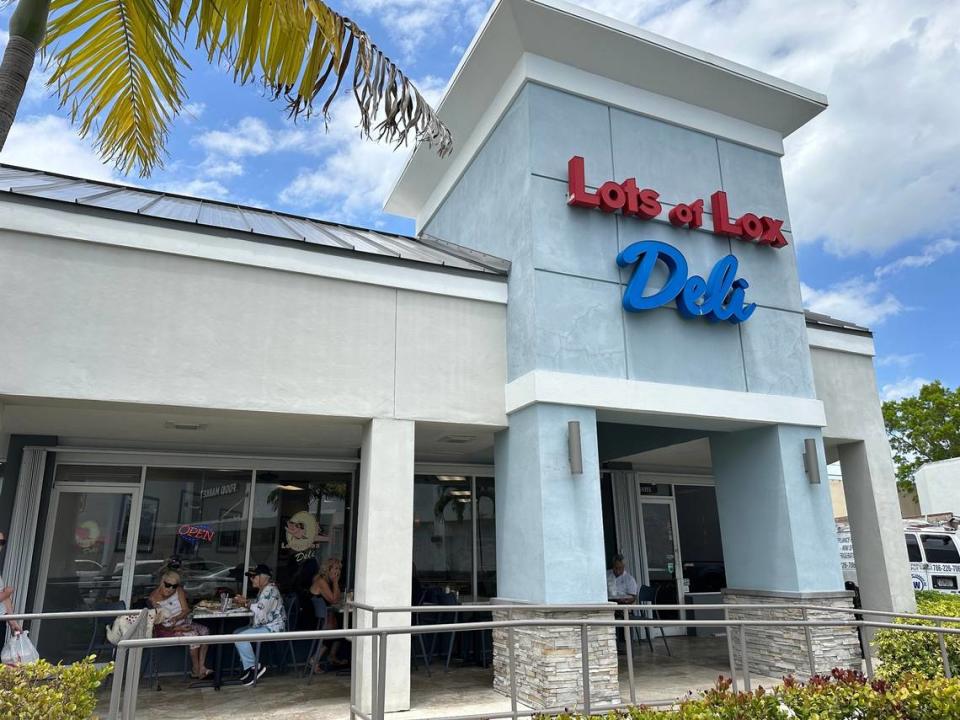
(843, 695)
(51, 692)
(903, 652)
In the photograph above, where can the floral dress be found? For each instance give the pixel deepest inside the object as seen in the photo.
(184, 627)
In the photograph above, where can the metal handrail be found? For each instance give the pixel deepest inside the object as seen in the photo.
(130, 649)
(381, 634)
(71, 615)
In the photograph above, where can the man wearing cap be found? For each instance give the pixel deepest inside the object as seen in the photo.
(268, 617)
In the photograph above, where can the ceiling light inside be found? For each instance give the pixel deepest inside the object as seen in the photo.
(170, 425)
(457, 439)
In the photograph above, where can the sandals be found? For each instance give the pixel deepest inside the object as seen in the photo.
(207, 672)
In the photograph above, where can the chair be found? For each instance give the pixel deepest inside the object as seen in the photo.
(320, 610)
(648, 595)
(291, 608)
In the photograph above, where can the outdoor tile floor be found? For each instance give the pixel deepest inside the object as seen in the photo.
(694, 665)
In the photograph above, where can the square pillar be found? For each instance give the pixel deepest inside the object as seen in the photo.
(780, 546)
(876, 529)
(384, 568)
(550, 551)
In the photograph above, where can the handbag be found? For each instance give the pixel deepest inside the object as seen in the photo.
(122, 627)
(18, 650)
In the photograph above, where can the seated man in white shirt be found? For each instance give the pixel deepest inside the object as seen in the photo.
(621, 586)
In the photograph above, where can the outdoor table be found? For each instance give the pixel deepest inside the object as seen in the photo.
(221, 618)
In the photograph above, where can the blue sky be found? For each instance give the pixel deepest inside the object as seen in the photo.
(873, 183)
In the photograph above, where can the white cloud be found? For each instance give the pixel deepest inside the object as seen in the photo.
(48, 142)
(197, 187)
(251, 136)
(928, 256)
(897, 360)
(415, 22)
(905, 387)
(856, 301)
(879, 166)
(213, 168)
(352, 180)
(192, 111)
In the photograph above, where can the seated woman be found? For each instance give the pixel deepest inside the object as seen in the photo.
(326, 593)
(173, 620)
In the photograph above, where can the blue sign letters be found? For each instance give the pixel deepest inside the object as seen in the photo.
(720, 297)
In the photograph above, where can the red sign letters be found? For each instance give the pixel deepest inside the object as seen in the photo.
(629, 199)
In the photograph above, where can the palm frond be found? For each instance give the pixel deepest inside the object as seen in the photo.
(302, 51)
(118, 66)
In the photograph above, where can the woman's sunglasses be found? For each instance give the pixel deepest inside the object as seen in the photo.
(172, 586)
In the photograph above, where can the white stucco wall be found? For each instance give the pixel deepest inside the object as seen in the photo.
(938, 487)
(846, 383)
(98, 321)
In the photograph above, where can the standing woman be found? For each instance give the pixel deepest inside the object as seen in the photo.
(173, 619)
(326, 592)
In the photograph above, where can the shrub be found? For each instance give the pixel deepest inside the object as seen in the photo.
(918, 653)
(842, 695)
(51, 692)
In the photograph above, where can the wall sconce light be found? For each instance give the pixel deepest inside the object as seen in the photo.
(811, 461)
(575, 452)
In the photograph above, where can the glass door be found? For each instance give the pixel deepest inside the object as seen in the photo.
(661, 552)
(88, 553)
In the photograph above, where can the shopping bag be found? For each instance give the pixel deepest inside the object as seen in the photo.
(18, 650)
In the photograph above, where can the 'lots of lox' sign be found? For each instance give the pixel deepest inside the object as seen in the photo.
(719, 297)
(629, 199)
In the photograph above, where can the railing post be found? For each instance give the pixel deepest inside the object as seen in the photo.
(585, 663)
(733, 662)
(628, 643)
(809, 637)
(374, 662)
(116, 691)
(512, 667)
(351, 622)
(382, 678)
(867, 651)
(943, 656)
(744, 659)
(135, 658)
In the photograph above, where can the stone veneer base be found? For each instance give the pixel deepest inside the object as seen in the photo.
(781, 651)
(548, 666)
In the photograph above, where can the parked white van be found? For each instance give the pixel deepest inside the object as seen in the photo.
(932, 551)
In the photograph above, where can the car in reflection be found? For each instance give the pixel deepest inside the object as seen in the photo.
(205, 585)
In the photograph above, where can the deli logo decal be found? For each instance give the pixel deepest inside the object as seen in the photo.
(629, 199)
(719, 297)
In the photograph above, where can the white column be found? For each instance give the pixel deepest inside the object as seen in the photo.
(873, 508)
(384, 568)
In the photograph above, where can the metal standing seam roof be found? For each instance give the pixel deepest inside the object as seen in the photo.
(815, 319)
(131, 200)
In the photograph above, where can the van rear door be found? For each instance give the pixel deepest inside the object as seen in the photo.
(918, 568)
(942, 561)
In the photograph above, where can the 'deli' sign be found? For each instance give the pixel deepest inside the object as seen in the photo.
(719, 297)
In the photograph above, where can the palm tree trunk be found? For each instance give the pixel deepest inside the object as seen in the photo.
(27, 26)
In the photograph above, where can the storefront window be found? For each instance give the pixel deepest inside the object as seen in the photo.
(198, 517)
(299, 520)
(445, 535)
